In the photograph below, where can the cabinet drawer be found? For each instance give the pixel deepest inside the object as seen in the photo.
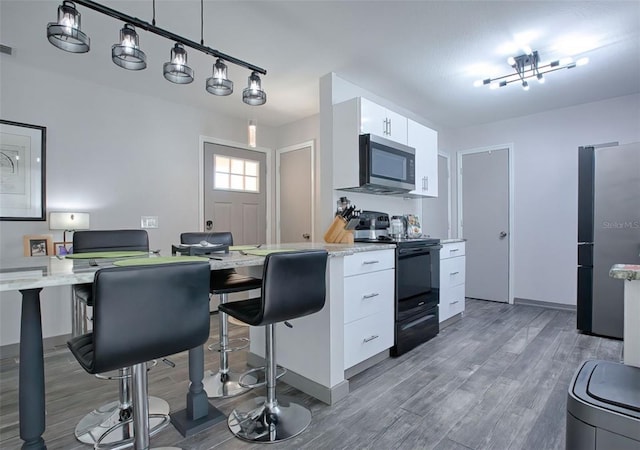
(451, 301)
(366, 262)
(452, 250)
(368, 294)
(367, 337)
(452, 272)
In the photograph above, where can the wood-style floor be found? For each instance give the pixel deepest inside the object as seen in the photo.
(497, 379)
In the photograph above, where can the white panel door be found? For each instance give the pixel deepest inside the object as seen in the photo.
(295, 193)
(240, 212)
(484, 196)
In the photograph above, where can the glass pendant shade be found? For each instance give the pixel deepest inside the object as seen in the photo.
(254, 95)
(127, 54)
(176, 70)
(65, 33)
(218, 83)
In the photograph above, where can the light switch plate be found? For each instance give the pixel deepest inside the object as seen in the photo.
(149, 222)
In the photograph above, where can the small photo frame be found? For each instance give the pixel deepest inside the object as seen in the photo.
(62, 248)
(38, 245)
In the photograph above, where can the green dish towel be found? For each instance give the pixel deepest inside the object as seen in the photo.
(94, 255)
(243, 247)
(266, 251)
(157, 260)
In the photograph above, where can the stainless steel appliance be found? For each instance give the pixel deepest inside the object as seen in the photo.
(386, 167)
(608, 233)
(416, 294)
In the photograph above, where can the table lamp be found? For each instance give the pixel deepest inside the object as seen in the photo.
(68, 221)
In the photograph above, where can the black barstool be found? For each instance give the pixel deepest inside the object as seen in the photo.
(223, 383)
(100, 424)
(293, 285)
(174, 299)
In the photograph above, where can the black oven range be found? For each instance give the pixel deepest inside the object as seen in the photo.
(416, 290)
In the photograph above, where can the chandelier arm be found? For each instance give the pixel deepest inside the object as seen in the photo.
(167, 34)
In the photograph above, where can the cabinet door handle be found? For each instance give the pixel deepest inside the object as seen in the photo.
(453, 303)
(371, 338)
(425, 183)
(385, 126)
(454, 250)
(370, 262)
(389, 127)
(366, 296)
(454, 273)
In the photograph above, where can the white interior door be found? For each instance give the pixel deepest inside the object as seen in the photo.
(235, 196)
(295, 193)
(483, 213)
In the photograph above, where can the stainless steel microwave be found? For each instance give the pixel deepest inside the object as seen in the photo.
(386, 167)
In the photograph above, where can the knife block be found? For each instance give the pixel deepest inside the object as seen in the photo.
(336, 232)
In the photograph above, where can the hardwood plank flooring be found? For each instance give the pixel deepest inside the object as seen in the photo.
(497, 379)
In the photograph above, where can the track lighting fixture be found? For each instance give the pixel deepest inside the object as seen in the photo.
(527, 67)
(176, 70)
(66, 35)
(253, 94)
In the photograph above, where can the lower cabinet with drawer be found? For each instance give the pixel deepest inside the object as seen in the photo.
(368, 305)
(452, 280)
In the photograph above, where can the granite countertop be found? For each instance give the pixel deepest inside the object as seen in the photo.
(452, 241)
(43, 271)
(628, 272)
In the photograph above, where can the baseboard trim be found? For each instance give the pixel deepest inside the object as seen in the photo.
(366, 364)
(314, 389)
(13, 350)
(451, 320)
(540, 303)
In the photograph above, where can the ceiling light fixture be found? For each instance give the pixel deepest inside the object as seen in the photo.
(66, 35)
(527, 67)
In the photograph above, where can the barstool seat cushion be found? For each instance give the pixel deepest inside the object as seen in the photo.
(229, 281)
(82, 349)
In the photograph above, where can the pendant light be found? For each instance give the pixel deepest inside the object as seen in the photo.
(254, 95)
(218, 83)
(176, 70)
(127, 54)
(65, 33)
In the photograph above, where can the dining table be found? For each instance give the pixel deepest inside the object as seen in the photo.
(30, 275)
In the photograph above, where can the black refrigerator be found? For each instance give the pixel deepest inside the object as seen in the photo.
(608, 233)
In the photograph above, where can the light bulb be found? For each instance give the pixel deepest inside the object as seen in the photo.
(540, 78)
(511, 61)
(525, 85)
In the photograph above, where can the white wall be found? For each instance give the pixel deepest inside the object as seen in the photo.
(546, 177)
(116, 155)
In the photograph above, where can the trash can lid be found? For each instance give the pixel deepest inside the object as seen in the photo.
(615, 384)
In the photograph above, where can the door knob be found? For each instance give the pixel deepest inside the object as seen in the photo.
(209, 225)
(503, 235)
(306, 236)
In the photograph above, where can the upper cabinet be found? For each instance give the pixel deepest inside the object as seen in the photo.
(425, 141)
(378, 120)
(361, 116)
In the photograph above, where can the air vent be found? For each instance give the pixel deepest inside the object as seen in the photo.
(5, 49)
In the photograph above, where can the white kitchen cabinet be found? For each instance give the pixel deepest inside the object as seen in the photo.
(425, 141)
(360, 116)
(368, 305)
(452, 280)
(378, 120)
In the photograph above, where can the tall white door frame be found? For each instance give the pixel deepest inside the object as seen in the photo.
(212, 140)
(509, 148)
(312, 200)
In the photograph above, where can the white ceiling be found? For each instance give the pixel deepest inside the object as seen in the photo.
(421, 55)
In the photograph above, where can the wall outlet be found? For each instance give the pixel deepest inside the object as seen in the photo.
(149, 222)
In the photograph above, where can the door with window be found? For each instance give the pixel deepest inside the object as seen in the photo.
(235, 195)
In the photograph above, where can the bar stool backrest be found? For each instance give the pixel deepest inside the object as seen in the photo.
(293, 285)
(217, 237)
(147, 312)
(110, 240)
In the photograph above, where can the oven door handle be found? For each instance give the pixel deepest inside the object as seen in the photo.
(418, 321)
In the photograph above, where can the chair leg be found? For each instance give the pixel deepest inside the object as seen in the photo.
(141, 410)
(269, 419)
(223, 383)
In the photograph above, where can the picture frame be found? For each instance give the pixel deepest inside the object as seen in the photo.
(22, 171)
(38, 245)
(62, 248)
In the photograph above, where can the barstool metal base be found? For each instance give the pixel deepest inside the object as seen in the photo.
(95, 424)
(252, 422)
(221, 385)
